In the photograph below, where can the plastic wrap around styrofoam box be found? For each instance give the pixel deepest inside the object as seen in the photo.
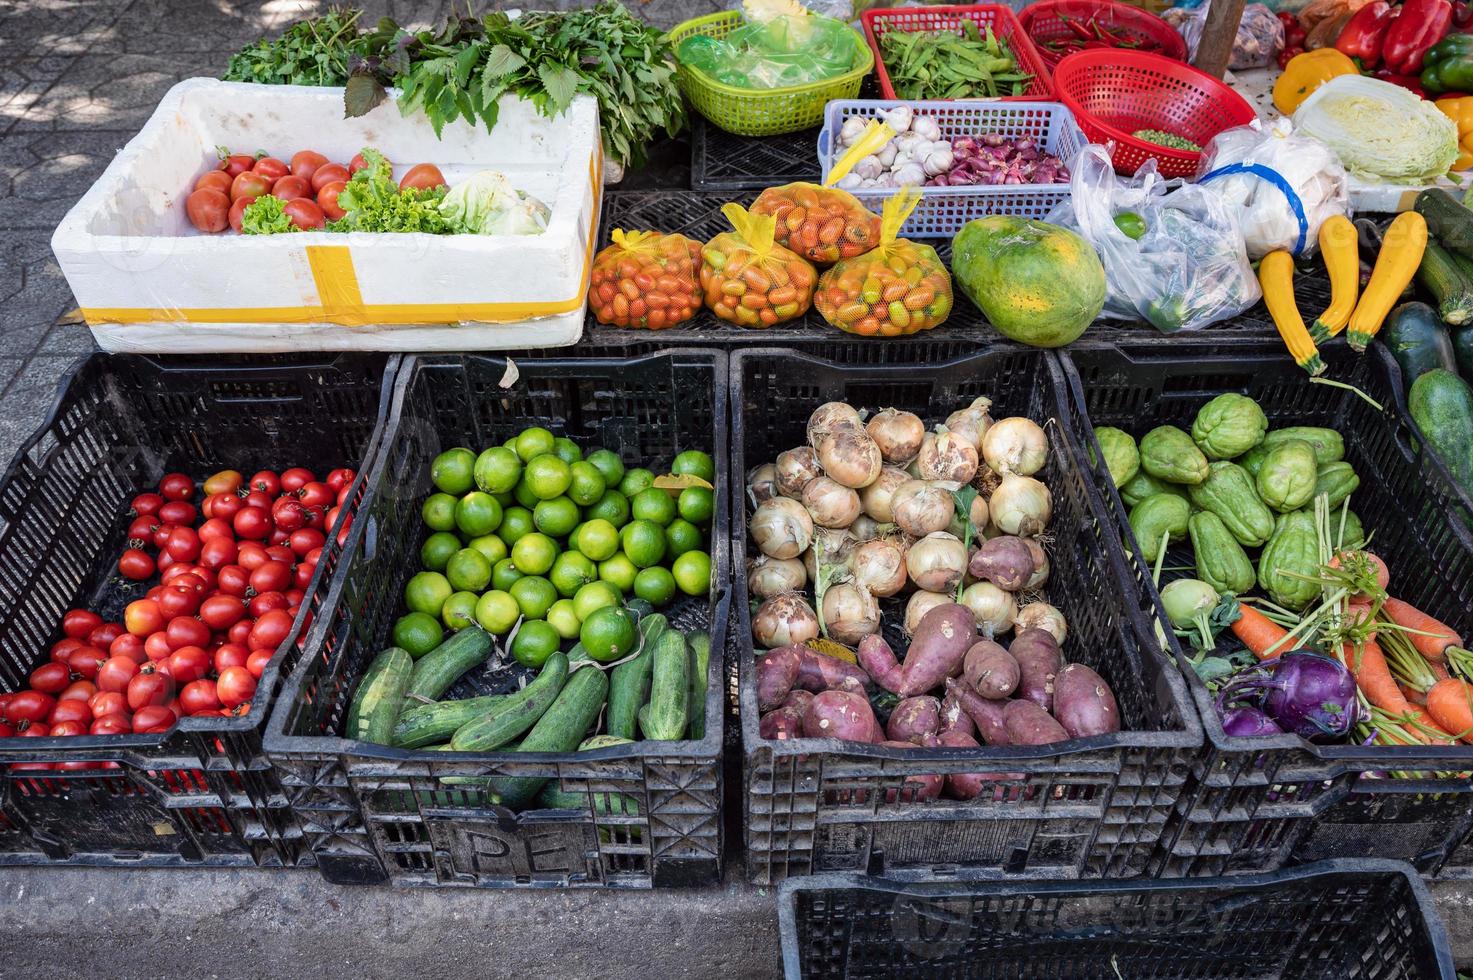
(147, 281)
(943, 211)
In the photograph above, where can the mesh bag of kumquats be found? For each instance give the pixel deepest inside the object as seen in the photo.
(646, 280)
(898, 288)
(822, 224)
(751, 280)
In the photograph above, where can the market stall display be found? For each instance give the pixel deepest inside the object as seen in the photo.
(1061, 27)
(954, 52)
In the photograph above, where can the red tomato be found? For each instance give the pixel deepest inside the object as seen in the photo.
(198, 698)
(103, 636)
(266, 602)
(290, 188)
(61, 649)
(225, 481)
(183, 544)
(271, 168)
(194, 578)
(215, 180)
(153, 720)
(178, 603)
(327, 199)
(294, 599)
(186, 631)
(141, 529)
(35, 707)
(117, 723)
(357, 163)
(259, 498)
(136, 565)
(85, 661)
(146, 504)
(218, 552)
(295, 478)
(270, 630)
(302, 575)
(172, 574)
(176, 486)
(220, 612)
(70, 709)
(234, 580)
(157, 648)
(258, 661)
(178, 512)
(342, 535)
(128, 646)
(289, 514)
(304, 213)
(161, 534)
(339, 478)
(235, 686)
(149, 686)
(236, 217)
(226, 506)
(422, 175)
(208, 210)
(333, 173)
(67, 728)
(306, 162)
(105, 703)
(240, 633)
(281, 552)
(317, 495)
(278, 538)
(51, 678)
(78, 690)
(253, 523)
(265, 481)
(216, 526)
(189, 664)
(230, 655)
(249, 184)
(77, 623)
(237, 163)
(116, 672)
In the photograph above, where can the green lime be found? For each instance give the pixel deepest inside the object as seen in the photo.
(613, 507)
(439, 512)
(595, 595)
(534, 643)
(489, 545)
(505, 499)
(451, 471)
(516, 523)
(468, 570)
(653, 505)
(437, 549)
(571, 572)
(697, 505)
(643, 543)
(512, 445)
(534, 594)
(497, 612)
(417, 634)
(588, 483)
(619, 572)
(681, 536)
(427, 592)
(477, 513)
(556, 517)
(655, 585)
(504, 574)
(523, 495)
(636, 480)
(534, 442)
(609, 464)
(598, 539)
(564, 619)
(566, 450)
(497, 470)
(534, 553)
(693, 462)
(608, 634)
(459, 611)
(547, 476)
(692, 572)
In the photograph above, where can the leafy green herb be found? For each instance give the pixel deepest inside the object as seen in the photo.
(265, 216)
(962, 499)
(943, 65)
(373, 202)
(318, 51)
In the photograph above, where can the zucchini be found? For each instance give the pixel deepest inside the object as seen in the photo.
(629, 684)
(1441, 404)
(427, 724)
(1447, 220)
(604, 804)
(1462, 340)
(560, 729)
(1418, 341)
(700, 668)
(444, 665)
(379, 697)
(1441, 276)
(515, 714)
(665, 717)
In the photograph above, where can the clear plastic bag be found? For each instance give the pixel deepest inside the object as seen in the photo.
(646, 280)
(781, 52)
(749, 279)
(1260, 35)
(822, 224)
(1174, 259)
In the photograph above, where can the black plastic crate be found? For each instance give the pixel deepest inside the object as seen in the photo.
(722, 161)
(203, 793)
(1259, 804)
(372, 813)
(1357, 920)
(1091, 807)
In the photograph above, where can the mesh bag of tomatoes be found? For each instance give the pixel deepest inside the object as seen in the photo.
(751, 280)
(646, 280)
(822, 224)
(898, 288)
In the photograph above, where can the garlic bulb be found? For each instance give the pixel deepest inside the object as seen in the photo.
(1015, 446)
(899, 118)
(781, 527)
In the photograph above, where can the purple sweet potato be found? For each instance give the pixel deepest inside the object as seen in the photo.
(954, 719)
(913, 718)
(962, 785)
(990, 670)
(985, 714)
(798, 699)
(1039, 662)
(1005, 561)
(819, 672)
(1083, 702)
(782, 724)
(777, 672)
(1028, 724)
(917, 788)
(842, 715)
(878, 660)
(940, 641)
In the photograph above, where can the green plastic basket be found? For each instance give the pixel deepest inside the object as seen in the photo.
(762, 112)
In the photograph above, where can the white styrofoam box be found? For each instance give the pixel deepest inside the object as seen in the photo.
(943, 211)
(147, 281)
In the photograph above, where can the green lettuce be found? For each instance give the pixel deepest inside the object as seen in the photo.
(1380, 131)
(265, 215)
(373, 202)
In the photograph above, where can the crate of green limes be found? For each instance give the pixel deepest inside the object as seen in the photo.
(511, 682)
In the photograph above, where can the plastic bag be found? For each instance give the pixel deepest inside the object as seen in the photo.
(1185, 267)
(785, 50)
(1278, 187)
(900, 287)
(646, 280)
(749, 279)
(1259, 41)
(822, 224)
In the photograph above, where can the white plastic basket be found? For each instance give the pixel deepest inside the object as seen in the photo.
(944, 210)
(147, 281)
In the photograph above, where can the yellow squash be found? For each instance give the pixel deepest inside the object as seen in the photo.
(1401, 253)
(1339, 249)
(1276, 276)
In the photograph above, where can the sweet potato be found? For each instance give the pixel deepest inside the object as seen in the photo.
(841, 715)
(954, 719)
(985, 714)
(990, 670)
(917, 788)
(1083, 702)
(962, 785)
(939, 643)
(1005, 561)
(914, 717)
(798, 699)
(1039, 662)
(1028, 724)
(820, 672)
(777, 672)
(782, 724)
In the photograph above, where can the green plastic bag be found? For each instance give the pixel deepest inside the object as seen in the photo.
(782, 52)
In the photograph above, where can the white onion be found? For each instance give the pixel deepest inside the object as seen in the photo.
(850, 457)
(767, 577)
(1042, 616)
(1015, 446)
(898, 434)
(831, 417)
(1021, 505)
(876, 498)
(830, 504)
(947, 456)
(920, 508)
(784, 619)
(781, 528)
(833, 545)
(794, 469)
(762, 483)
(879, 566)
(972, 421)
(985, 481)
(864, 528)
(850, 613)
(978, 512)
(937, 562)
(1040, 566)
(921, 603)
(995, 609)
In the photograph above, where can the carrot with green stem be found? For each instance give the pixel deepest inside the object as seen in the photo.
(1450, 703)
(1428, 635)
(1373, 676)
(1408, 667)
(1264, 638)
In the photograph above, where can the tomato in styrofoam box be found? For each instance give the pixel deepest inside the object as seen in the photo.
(646, 280)
(822, 224)
(749, 279)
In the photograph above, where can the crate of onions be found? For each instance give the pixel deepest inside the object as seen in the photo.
(942, 662)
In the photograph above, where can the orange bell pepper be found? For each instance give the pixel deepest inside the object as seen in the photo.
(1306, 72)
(1459, 109)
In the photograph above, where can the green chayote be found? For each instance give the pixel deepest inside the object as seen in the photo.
(1122, 458)
(1229, 426)
(1169, 454)
(1286, 481)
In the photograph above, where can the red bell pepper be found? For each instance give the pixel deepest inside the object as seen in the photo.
(1421, 24)
(1365, 32)
(1412, 83)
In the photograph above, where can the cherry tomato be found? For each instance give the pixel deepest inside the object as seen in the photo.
(85, 662)
(176, 486)
(253, 523)
(149, 686)
(217, 553)
(332, 173)
(34, 706)
(267, 602)
(157, 647)
(271, 168)
(265, 481)
(290, 188)
(128, 645)
(236, 217)
(116, 672)
(258, 661)
(270, 630)
(306, 162)
(103, 636)
(339, 478)
(317, 495)
(214, 180)
(230, 655)
(289, 514)
(70, 709)
(356, 164)
(249, 184)
(225, 481)
(77, 623)
(235, 686)
(208, 210)
(422, 175)
(186, 631)
(189, 664)
(234, 580)
(50, 678)
(146, 504)
(153, 720)
(77, 690)
(183, 544)
(237, 163)
(117, 723)
(304, 213)
(220, 612)
(327, 199)
(178, 603)
(240, 633)
(199, 698)
(105, 703)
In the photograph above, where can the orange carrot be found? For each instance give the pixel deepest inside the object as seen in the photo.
(1358, 616)
(1450, 703)
(1383, 574)
(1438, 733)
(1413, 696)
(1432, 647)
(1263, 637)
(1439, 670)
(1373, 677)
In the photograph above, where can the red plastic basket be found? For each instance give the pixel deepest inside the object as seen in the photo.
(1113, 93)
(1048, 21)
(1004, 24)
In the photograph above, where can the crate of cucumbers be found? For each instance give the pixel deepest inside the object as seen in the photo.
(512, 681)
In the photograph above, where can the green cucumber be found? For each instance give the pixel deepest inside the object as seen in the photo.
(560, 729)
(427, 724)
(447, 663)
(700, 668)
(1445, 281)
(629, 684)
(602, 742)
(1418, 341)
(604, 804)
(1441, 404)
(379, 697)
(665, 717)
(515, 714)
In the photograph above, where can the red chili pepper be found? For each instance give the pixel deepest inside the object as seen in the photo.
(1421, 24)
(1411, 83)
(1365, 33)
